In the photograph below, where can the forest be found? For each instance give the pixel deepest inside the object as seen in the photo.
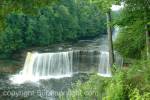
(65, 21)
(86, 57)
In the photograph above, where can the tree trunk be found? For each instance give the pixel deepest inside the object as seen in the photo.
(110, 43)
(147, 41)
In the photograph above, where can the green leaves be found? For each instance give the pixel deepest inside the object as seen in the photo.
(92, 89)
(132, 21)
(61, 22)
(18, 6)
(105, 5)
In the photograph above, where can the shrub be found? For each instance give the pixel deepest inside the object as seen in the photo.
(126, 84)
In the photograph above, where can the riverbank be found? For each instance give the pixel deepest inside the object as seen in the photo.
(10, 66)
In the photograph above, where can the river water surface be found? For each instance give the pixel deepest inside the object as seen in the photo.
(85, 61)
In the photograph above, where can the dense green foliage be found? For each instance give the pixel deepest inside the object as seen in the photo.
(130, 84)
(133, 19)
(93, 89)
(26, 6)
(133, 82)
(31, 23)
(105, 5)
(129, 42)
(125, 84)
(67, 20)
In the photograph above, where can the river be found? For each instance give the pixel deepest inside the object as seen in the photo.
(39, 78)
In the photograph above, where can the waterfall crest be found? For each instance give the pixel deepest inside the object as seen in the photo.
(44, 66)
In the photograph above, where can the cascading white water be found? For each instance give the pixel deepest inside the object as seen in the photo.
(62, 64)
(44, 66)
(104, 66)
(115, 33)
(48, 64)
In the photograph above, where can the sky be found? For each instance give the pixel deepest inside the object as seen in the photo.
(117, 7)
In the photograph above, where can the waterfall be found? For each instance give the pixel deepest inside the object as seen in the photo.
(115, 32)
(44, 66)
(104, 66)
(84, 61)
(64, 64)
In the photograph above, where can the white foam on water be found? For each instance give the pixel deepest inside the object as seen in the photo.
(104, 75)
(104, 68)
(20, 79)
(44, 66)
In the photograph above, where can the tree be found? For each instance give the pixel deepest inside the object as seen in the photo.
(141, 7)
(147, 41)
(110, 43)
(105, 6)
(134, 22)
(64, 21)
(25, 6)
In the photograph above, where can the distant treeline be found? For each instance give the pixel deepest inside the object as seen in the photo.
(67, 20)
